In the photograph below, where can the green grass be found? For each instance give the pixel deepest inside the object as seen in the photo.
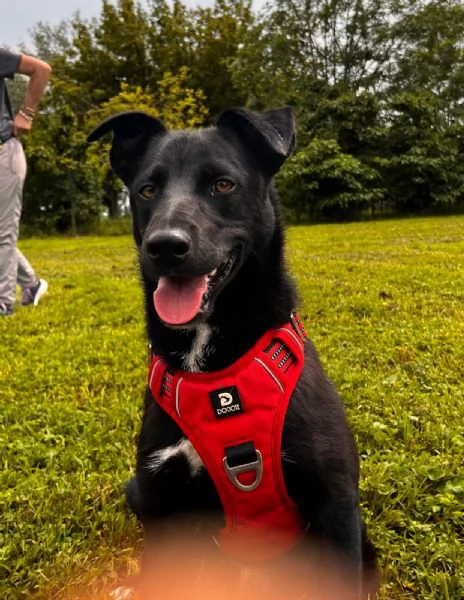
(384, 303)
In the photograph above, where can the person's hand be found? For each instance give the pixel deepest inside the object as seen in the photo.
(21, 125)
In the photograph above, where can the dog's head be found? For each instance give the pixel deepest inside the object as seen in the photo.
(201, 201)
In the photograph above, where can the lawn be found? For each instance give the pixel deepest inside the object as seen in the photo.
(384, 304)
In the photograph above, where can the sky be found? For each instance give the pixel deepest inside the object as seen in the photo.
(19, 16)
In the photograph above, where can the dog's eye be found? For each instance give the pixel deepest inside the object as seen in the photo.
(222, 186)
(147, 191)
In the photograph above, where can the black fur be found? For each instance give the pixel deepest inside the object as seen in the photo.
(321, 465)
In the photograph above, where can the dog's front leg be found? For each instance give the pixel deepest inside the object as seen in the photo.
(333, 539)
(341, 524)
(342, 530)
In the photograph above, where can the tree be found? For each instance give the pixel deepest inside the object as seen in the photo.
(432, 53)
(321, 181)
(316, 46)
(377, 88)
(84, 89)
(176, 105)
(425, 110)
(218, 36)
(61, 192)
(424, 164)
(53, 41)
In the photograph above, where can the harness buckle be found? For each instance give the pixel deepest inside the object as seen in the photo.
(233, 455)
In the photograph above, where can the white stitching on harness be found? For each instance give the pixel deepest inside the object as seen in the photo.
(270, 373)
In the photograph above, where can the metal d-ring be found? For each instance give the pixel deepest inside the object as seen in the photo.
(232, 472)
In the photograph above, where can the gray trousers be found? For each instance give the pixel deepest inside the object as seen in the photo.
(14, 267)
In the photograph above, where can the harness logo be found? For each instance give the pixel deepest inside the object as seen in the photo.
(226, 398)
(226, 402)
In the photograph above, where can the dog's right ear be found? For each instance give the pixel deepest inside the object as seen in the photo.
(132, 132)
(269, 135)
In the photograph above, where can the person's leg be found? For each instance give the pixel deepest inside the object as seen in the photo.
(32, 288)
(26, 275)
(12, 175)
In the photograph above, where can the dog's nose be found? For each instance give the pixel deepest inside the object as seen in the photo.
(169, 247)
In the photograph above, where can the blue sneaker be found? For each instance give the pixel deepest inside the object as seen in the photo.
(33, 294)
(5, 309)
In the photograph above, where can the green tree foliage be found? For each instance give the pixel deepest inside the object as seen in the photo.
(377, 88)
(335, 173)
(219, 35)
(100, 68)
(382, 81)
(423, 150)
(61, 193)
(323, 181)
(316, 47)
(423, 166)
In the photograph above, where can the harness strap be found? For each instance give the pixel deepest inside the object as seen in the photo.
(234, 419)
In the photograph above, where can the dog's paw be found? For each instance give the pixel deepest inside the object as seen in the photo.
(122, 593)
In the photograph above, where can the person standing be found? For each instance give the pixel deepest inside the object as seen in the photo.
(14, 267)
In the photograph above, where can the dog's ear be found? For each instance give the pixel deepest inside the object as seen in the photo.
(132, 131)
(269, 135)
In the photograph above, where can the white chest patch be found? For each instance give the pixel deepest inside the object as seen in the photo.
(183, 448)
(193, 361)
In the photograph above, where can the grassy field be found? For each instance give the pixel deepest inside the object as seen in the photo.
(384, 303)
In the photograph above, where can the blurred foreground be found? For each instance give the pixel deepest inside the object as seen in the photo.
(197, 570)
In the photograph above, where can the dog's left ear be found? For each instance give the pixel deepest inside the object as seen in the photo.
(132, 132)
(269, 135)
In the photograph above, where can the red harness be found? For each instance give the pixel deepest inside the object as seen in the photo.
(234, 419)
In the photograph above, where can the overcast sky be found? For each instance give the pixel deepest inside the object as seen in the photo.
(19, 16)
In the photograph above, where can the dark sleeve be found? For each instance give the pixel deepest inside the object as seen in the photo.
(9, 63)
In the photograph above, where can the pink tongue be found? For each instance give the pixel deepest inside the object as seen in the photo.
(178, 301)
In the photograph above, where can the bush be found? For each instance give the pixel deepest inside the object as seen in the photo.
(322, 182)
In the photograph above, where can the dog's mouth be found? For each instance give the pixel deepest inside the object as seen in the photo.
(179, 300)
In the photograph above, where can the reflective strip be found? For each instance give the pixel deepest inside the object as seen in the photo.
(177, 395)
(298, 340)
(270, 373)
(153, 372)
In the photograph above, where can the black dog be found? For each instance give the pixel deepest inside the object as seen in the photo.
(210, 241)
